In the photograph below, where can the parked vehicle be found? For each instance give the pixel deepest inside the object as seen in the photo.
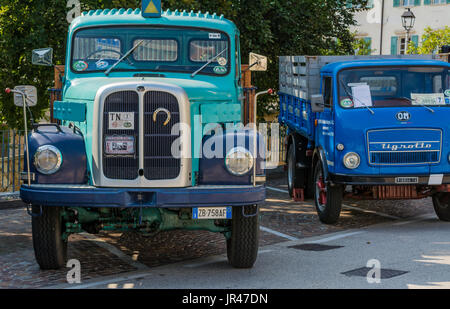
(138, 100)
(367, 127)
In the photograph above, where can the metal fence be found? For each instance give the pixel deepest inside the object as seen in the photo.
(12, 159)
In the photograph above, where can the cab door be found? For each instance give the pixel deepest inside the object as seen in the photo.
(325, 122)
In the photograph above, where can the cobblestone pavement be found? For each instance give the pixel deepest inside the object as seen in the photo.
(122, 253)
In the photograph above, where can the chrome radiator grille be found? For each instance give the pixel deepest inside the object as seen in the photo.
(153, 157)
(159, 163)
(121, 167)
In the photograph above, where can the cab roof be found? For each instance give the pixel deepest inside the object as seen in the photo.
(336, 67)
(122, 16)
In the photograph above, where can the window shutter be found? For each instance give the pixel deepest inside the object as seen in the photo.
(417, 2)
(396, 3)
(415, 40)
(368, 42)
(427, 2)
(394, 45)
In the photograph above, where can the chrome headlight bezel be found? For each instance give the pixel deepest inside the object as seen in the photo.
(356, 163)
(59, 162)
(245, 153)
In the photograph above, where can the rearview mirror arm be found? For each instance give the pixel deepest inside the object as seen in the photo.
(25, 107)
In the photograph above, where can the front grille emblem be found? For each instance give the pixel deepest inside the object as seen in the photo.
(159, 110)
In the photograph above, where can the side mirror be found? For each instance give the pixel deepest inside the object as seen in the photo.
(258, 63)
(29, 91)
(317, 103)
(43, 56)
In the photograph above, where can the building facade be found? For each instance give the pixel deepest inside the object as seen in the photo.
(381, 23)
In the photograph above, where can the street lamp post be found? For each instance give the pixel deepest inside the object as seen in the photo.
(408, 20)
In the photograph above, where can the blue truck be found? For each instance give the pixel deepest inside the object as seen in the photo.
(366, 127)
(145, 94)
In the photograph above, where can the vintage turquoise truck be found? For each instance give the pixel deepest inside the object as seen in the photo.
(143, 100)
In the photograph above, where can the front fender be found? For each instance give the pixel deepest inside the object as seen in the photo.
(213, 170)
(71, 144)
(320, 158)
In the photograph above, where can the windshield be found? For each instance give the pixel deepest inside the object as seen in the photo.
(160, 50)
(394, 87)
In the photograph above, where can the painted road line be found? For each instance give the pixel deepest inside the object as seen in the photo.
(417, 219)
(112, 280)
(347, 206)
(113, 250)
(267, 230)
(277, 190)
(339, 236)
(371, 212)
(216, 259)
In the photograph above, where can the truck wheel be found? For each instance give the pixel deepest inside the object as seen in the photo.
(328, 199)
(441, 203)
(50, 248)
(243, 246)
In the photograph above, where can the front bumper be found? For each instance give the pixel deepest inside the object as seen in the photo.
(426, 180)
(88, 196)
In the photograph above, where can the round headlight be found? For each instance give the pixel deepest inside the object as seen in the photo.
(239, 161)
(352, 160)
(48, 160)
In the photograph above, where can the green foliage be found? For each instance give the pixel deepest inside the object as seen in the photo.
(432, 41)
(362, 47)
(268, 27)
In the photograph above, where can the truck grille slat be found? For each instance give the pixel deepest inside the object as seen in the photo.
(121, 167)
(159, 163)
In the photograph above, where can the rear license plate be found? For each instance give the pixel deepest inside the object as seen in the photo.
(407, 180)
(212, 213)
(119, 145)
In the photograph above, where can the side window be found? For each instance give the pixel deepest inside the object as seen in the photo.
(328, 91)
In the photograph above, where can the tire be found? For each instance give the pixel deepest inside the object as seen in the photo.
(243, 246)
(327, 198)
(441, 203)
(50, 249)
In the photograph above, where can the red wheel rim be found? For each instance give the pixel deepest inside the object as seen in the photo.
(322, 191)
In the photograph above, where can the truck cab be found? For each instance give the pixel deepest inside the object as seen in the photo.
(375, 129)
(148, 137)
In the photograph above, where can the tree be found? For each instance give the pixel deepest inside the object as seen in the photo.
(432, 41)
(362, 47)
(268, 27)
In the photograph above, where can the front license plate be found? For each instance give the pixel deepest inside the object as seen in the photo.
(212, 213)
(119, 145)
(407, 180)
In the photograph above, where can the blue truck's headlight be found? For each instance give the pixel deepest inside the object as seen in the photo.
(352, 160)
(48, 159)
(239, 161)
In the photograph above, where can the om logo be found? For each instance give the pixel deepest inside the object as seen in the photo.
(162, 110)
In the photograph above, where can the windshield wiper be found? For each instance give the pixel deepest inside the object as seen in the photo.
(124, 57)
(209, 62)
(353, 98)
(412, 101)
